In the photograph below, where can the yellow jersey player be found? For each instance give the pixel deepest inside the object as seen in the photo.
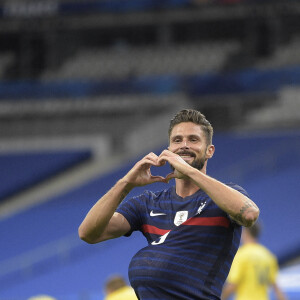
(253, 271)
(116, 288)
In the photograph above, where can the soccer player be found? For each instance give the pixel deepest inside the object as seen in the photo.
(193, 228)
(253, 271)
(116, 288)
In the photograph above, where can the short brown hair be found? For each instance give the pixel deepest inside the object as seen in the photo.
(114, 283)
(255, 230)
(194, 116)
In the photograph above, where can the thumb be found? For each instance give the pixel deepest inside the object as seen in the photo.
(157, 179)
(170, 176)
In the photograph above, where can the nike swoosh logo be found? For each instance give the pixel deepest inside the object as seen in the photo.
(152, 214)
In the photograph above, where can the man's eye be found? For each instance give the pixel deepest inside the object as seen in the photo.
(177, 140)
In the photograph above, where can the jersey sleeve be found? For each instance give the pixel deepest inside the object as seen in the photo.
(242, 191)
(130, 208)
(236, 270)
(239, 189)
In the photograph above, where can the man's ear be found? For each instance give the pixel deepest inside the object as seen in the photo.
(210, 151)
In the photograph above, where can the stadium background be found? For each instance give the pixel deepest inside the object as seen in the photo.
(88, 87)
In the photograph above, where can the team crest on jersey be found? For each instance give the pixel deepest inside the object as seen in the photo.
(180, 217)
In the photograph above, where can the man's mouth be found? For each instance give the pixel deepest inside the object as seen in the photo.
(186, 155)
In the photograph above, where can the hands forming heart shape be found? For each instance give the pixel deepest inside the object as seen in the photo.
(141, 175)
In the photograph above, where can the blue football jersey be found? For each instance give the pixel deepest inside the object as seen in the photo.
(191, 245)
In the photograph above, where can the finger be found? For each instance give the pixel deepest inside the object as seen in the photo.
(152, 154)
(165, 153)
(170, 176)
(152, 157)
(162, 159)
(158, 179)
(161, 162)
(148, 162)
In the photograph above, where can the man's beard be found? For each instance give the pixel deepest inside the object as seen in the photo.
(197, 163)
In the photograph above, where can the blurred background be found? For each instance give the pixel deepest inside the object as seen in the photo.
(87, 87)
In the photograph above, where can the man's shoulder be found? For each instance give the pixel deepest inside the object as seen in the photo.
(243, 253)
(233, 185)
(256, 248)
(267, 252)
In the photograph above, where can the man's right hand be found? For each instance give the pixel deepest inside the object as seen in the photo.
(102, 222)
(141, 175)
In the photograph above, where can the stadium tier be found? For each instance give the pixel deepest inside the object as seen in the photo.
(208, 84)
(22, 170)
(117, 63)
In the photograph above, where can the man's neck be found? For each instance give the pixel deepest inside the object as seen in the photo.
(185, 188)
(250, 241)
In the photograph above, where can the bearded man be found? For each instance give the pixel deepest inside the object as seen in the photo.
(193, 229)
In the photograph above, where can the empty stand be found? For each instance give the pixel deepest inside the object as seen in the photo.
(6, 60)
(286, 54)
(282, 112)
(20, 171)
(127, 61)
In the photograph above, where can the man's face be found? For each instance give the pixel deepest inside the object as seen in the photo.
(188, 140)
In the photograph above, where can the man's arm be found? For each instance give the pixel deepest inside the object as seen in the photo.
(278, 292)
(102, 222)
(240, 208)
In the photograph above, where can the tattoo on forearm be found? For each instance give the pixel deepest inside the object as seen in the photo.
(248, 206)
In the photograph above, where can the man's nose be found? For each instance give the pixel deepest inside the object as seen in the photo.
(185, 145)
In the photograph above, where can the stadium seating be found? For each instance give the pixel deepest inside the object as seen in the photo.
(148, 61)
(21, 170)
(283, 111)
(286, 54)
(5, 60)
